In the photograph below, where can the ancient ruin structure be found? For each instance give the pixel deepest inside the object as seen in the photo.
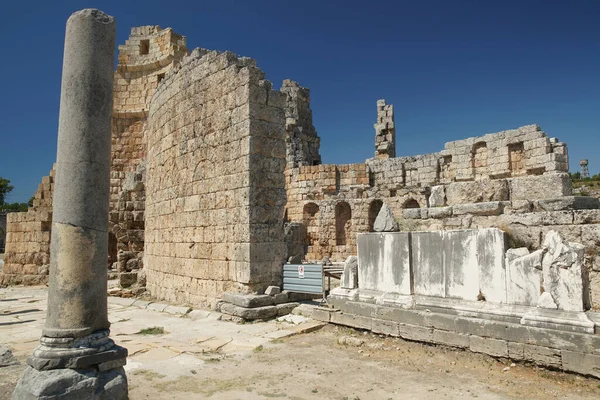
(27, 258)
(216, 180)
(76, 358)
(2, 231)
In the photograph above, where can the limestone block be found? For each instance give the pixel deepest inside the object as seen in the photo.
(265, 312)
(523, 276)
(428, 263)
(248, 300)
(568, 203)
(474, 264)
(493, 347)
(477, 192)
(350, 275)
(587, 364)
(411, 213)
(385, 221)
(540, 187)
(563, 272)
(439, 212)
(438, 196)
(383, 262)
(272, 290)
(68, 383)
(487, 208)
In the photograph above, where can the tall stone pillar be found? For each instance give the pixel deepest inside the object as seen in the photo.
(385, 131)
(76, 359)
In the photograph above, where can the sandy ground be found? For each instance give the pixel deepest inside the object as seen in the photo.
(208, 358)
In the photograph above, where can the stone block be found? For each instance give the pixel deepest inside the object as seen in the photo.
(563, 272)
(355, 321)
(439, 212)
(438, 196)
(482, 209)
(249, 314)
(350, 275)
(428, 263)
(384, 327)
(383, 262)
(411, 213)
(516, 351)
(586, 364)
(72, 384)
(542, 355)
(568, 203)
(523, 276)
(248, 300)
(177, 310)
(492, 347)
(477, 192)
(540, 187)
(416, 333)
(272, 290)
(385, 221)
(453, 339)
(126, 279)
(285, 308)
(586, 217)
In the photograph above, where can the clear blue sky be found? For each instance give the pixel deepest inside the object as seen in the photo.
(452, 69)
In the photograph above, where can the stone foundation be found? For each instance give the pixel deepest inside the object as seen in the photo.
(478, 332)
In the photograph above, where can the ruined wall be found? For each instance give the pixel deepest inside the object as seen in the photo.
(27, 252)
(2, 232)
(147, 55)
(302, 141)
(215, 182)
(511, 165)
(385, 131)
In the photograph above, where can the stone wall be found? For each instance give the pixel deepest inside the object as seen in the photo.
(467, 289)
(2, 232)
(385, 131)
(27, 252)
(302, 141)
(147, 55)
(516, 164)
(215, 182)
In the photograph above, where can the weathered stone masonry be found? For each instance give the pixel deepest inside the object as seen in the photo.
(27, 252)
(208, 163)
(144, 59)
(215, 183)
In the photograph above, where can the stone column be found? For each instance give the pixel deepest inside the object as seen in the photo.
(76, 358)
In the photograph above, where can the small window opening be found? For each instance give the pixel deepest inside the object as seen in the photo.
(160, 77)
(144, 47)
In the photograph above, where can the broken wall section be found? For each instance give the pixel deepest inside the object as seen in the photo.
(215, 183)
(27, 252)
(147, 55)
(302, 141)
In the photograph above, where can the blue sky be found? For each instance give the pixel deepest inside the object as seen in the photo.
(452, 69)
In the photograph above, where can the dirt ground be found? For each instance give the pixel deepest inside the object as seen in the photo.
(333, 364)
(208, 358)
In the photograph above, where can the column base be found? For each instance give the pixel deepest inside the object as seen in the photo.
(89, 351)
(72, 384)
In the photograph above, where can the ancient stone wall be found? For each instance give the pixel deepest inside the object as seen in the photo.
(385, 131)
(27, 252)
(2, 232)
(302, 141)
(516, 164)
(147, 55)
(215, 182)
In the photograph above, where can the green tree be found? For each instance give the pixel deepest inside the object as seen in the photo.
(5, 188)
